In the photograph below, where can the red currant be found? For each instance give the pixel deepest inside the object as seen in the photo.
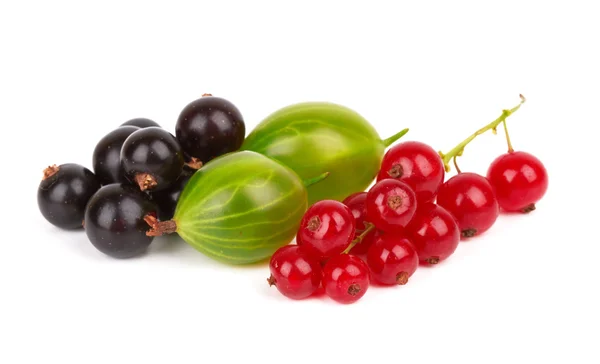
(357, 204)
(519, 180)
(391, 204)
(346, 278)
(418, 165)
(295, 274)
(326, 229)
(469, 197)
(434, 233)
(392, 259)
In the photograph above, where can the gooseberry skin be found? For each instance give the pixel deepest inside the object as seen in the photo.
(64, 193)
(392, 259)
(434, 233)
(152, 152)
(114, 220)
(210, 127)
(470, 198)
(418, 165)
(106, 159)
(326, 229)
(391, 204)
(294, 273)
(346, 278)
(519, 180)
(141, 123)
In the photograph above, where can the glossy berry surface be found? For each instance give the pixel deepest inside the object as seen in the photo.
(434, 233)
(519, 180)
(357, 205)
(469, 197)
(141, 123)
(114, 220)
(209, 127)
(64, 192)
(296, 274)
(391, 204)
(418, 165)
(166, 200)
(152, 159)
(106, 159)
(346, 278)
(392, 259)
(326, 229)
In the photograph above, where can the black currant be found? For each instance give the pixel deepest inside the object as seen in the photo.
(64, 192)
(107, 155)
(166, 200)
(209, 127)
(141, 123)
(115, 220)
(152, 159)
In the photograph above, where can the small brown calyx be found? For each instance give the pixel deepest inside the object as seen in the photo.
(354, 289)
(205, 95)
(194, 163)
(527, 209)
(394, 202)
(50, 171)
(314, 223)
(159, 228)
(433, 260)
(402, 278)
(468, 233)
(396, 171)
(145, 181)
(272, 281)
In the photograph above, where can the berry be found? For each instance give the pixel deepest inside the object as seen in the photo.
(346, 278)
(296, 274)
(418, 165)
(519, 180)
(392, 259)
(152, 158)
(166, 200)
(64, 192)
(326, 229)
(209, 127)
(470, 199)
(357, 205)
(114, 220)
(391, 204)
(141, 123)
(107, 155)
(434, 233)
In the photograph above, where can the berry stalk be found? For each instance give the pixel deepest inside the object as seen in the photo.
(459, 149)
(387, 142)
(358, 239)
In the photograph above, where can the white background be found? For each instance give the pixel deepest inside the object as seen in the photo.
(524, 292)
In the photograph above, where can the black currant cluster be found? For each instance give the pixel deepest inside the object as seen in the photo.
(139, 171)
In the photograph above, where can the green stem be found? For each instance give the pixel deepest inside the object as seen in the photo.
(313, 180)
(359, 238)
(458, 150)
(510, 147)
(387, 142)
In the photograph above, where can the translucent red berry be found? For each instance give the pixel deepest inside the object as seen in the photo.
(417, 164)
(346, 278)
(469, 197)
(392, 259)
(357, 205)
(296, 274)
(326, 229)
(519, 180)
(434, 233)
(391, 204)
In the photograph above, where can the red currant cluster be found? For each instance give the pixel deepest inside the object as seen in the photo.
(410, 216)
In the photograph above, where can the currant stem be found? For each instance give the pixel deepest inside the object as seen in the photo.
(387, 142)
(458, 150)
(359, 238)
(456, 164)
(510, 147)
